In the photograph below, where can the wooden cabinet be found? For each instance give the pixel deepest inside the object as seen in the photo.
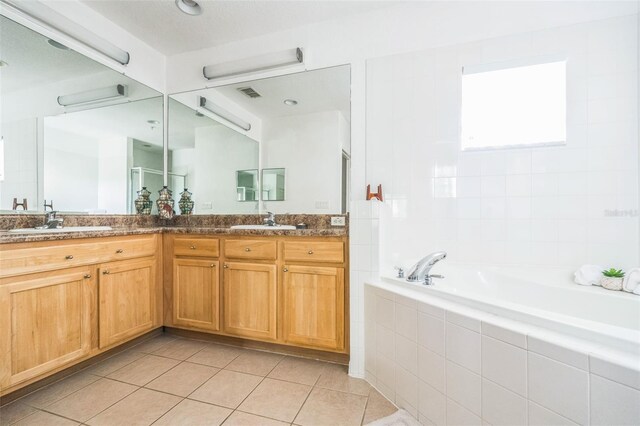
(126, 297)
(196, 293)
(250, 297)
(44, 323)
(313, 306)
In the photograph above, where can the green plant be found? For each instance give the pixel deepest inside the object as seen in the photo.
(614, 273)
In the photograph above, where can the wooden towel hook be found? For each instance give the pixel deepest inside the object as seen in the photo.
(376, 195)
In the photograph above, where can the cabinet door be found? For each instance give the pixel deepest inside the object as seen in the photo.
(313, 306)
(196, 294)
(126, 296)
(44, 324)
(250, 300)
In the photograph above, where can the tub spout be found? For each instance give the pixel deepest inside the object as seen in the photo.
(420, 270)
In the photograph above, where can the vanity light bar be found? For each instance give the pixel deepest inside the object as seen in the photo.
(37, 11)
(224, 114)
(254, 64)
(94, 96)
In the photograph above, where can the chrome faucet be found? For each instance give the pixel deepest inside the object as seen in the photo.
(271, 220)
(420, 271)
(52, 222)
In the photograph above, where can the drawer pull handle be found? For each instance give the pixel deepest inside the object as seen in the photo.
(247, 249)
(310, 252)
(226, 266)
(69, 257)
(285, 269)
(192, 247)
(119, 251)
(87, 276)
(106, 272)
(213, 265)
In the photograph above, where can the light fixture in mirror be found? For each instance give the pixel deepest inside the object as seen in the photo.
(299, 123)
(75, 132)
(247, 185)
(273, 184)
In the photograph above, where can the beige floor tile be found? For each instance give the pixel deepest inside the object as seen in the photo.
(91, 400)
(216, 355)
(144, 370)
(238, 418)
(255, 362)
(276, 399)
(15, 411)
(183, 379)
(180, 349)
(192, 413)
(59, 390)
(109, 365)
(41, 418)
(377, 407)
(329, 407)
(153, 344)
(227, 388)
(336, 377)
(142, 407)
(298, 370)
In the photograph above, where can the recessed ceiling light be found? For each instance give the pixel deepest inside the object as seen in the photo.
(57, 45)
(153, 122)
(189, 7)
(290, 102)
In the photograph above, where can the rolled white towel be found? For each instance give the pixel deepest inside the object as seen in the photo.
(588, 275)
(632, 281)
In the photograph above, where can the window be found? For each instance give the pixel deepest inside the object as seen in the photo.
(511, 107)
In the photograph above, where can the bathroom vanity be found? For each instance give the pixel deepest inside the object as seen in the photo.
(69, 298)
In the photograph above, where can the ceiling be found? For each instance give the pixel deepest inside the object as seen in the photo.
(327, 89)
(160, 24)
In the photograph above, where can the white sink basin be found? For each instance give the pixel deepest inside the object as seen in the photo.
(265, 227)
(58, 230)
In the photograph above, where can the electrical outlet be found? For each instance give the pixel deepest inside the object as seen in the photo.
(338, 221)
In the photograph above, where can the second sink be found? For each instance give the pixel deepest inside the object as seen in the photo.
(265, 227)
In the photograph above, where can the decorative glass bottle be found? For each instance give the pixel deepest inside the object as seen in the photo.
(165, 203)
(185, 203)
(143, 203)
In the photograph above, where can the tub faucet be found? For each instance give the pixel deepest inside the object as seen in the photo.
(420, 271)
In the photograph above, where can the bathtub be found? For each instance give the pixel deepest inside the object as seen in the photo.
(551, 302)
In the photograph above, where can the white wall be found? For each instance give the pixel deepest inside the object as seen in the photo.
(219, 153)
(20, 163)
(309, 148)
(113, 173)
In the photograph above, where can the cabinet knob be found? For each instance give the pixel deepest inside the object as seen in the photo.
(310, 252)
(226, 266)
(119, 251)
(192, 247)
(213, 265)
(69, 257)
(106, 272)
(285, 269)
(87, 276)
(247, 249)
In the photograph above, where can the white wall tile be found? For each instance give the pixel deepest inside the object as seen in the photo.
(432, 404)
(623, 374)
(501, 407)
(558, 387)
(431, 368)
(540, 416)
(407, 322)
(406, 354)
(504, 364)
(613, 403)
(464, 387)
(463, 321)
(557, 352)
(407, 390)
(431, 333)
(460, 416)
(463, 347)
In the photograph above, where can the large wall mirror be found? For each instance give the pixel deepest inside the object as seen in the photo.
(74, 132)
(279, 144)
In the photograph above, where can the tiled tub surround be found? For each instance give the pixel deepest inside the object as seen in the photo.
(549, 206)
(448, 364)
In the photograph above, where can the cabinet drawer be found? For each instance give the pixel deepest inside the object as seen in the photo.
(200, 247)
(250, 249)
(17, 261)
(314, 251)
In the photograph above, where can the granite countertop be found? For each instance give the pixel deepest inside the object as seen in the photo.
(7, 238)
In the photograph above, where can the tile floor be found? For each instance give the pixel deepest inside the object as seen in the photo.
(174, 381)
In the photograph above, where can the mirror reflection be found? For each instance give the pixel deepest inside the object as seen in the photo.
(295, 128)
(273, 184)
(74, 132)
